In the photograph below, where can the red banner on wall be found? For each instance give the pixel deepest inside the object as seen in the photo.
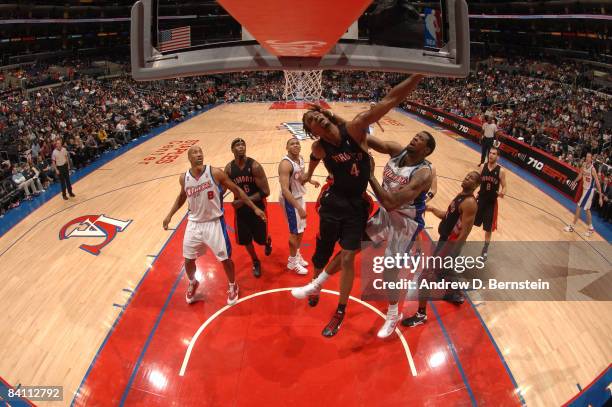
(549, 169)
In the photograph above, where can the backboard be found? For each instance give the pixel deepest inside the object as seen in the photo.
(169, 39)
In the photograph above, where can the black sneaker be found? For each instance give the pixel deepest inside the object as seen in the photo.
(72, 195)
(313, 300)
(456, 297)
(65, 197)
(416, 319)
(334, 325)
(268, 250)
(257, 269)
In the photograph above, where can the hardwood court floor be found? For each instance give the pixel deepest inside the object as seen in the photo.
(59, 302)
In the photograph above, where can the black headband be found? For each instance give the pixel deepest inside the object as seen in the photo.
(236, 141)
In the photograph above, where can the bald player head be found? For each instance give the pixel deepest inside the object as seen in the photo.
(195, 156)
(471, 181)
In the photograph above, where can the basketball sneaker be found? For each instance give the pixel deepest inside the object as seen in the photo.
(191, 290)
(569, 228)
(294, 265)
(310, 289)
(484, 254)
(589, 232)
(268, 249)
(257, 269)
(333, 326)
(416, 319)
(232, 294)
(389, 326)
(300, 259)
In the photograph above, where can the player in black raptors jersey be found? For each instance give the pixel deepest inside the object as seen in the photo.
(343, 213)
(491, 178)
(250, 176)
(456, 224)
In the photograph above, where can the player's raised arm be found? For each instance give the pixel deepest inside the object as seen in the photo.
(358, 127)
(419, 183)
(222, 179)
(178, 202)
(384, 146)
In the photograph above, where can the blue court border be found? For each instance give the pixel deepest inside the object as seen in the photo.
(16, 215)
(124, 308)
(602, 227)
(453, 350)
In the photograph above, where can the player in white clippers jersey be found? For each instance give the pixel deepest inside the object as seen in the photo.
(407, 178)
(589, 179)
(202, 187)
(291, 175)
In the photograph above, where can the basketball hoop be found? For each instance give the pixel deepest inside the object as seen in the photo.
(303, 86)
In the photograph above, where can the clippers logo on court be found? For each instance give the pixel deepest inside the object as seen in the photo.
(297, 129)
(93, 226)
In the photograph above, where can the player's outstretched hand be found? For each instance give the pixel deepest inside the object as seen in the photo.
(261, 214)
(315, 183)
(166, 222)
(500, 194)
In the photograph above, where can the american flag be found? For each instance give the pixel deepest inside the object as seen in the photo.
(175, 38)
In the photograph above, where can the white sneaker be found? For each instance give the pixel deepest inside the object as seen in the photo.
(309, 289)
(569, 228)
(191, 291)
(301, 260)
(589, 232)
(232, 294)
(298, 268)
(389, 326)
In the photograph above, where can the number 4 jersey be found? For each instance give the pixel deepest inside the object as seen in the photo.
(348, 164)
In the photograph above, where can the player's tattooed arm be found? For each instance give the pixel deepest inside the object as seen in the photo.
(178, 202)
(419, 183)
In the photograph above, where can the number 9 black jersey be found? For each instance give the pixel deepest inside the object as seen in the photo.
(348, 164)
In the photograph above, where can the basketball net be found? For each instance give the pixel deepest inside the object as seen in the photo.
(303, 86)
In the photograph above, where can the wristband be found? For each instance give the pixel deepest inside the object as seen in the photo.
(430, 194)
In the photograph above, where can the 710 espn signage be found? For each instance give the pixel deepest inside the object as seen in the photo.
(557, 174)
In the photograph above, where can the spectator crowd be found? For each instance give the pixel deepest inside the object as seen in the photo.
(548, 106)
